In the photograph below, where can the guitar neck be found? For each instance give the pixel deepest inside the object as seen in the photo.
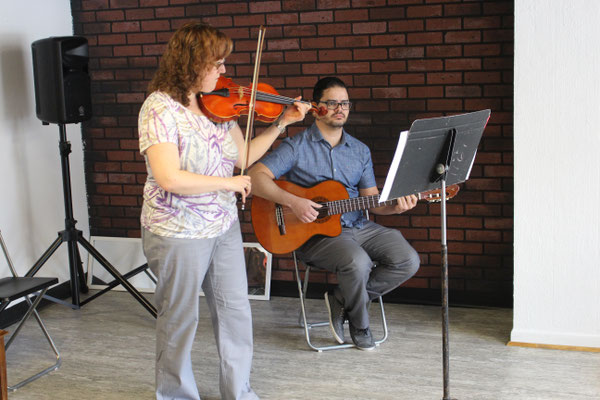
(355, 204)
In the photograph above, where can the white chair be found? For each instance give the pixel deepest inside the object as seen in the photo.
(303, 319)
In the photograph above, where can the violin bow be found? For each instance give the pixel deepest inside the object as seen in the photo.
(251, 105)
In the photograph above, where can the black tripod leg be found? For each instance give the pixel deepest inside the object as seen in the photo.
(104, 262)
(73, 256)
(82, 283)
(47, 254)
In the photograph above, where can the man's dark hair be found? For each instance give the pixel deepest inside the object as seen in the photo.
(324, 84)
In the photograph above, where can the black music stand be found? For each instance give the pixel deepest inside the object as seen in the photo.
(436, 152)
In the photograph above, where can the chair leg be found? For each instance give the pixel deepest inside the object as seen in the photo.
(32, 310)
(303, 320)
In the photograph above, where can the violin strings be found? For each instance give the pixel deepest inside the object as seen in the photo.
(269, 96)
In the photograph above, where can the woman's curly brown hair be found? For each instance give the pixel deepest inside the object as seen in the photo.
(192, 49)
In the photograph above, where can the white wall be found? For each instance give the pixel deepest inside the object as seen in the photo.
(557, 172)
(31, 204)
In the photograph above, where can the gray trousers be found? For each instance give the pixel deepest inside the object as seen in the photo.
(182, 267)
(351, 256)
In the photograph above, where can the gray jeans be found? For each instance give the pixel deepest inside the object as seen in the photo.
(182, 267)
(351, 256)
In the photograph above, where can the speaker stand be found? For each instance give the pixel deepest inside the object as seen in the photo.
(73, 236)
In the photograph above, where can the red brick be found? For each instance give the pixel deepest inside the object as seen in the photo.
(369, 27)
(370, 54)
(351, 41)
(387, 13)
(334, 29)
(170, 12)
(90, 29)
(104, 40)
(299, 30)
(121, 178)
(424, 11)
(132, 26)
(153, 3)
(463, 64)
(156, 25)
(388, 40)
(407, 52)
(94, 4)
(373, 106)
(108, 189)
(352, 15)
(119, 155)
(317, 43)
(262, 6)
(389, 93)
(407, 79)
(139, 14)
(407, 25)
(318, 17)
(352, 67)
(424, 38)
(443, 24)
(463, 91)
(444, 105)
(388, 66)
(283, 44)
(425, 91)
(249, 20)
(319, 69)
(462, 9)
(444, 51)
(325, 4)
(124, 200)
(110, 16)
(237, 7)
(444, 78)
(123, 3)
(282, 19)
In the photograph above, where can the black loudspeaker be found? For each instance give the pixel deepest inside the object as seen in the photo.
(61, 79)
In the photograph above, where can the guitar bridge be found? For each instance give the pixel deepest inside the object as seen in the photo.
(280, 219)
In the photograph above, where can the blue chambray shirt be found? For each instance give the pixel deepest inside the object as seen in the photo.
(307, 159)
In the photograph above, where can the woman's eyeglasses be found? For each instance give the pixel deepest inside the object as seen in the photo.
(332, 104)
(219, 64)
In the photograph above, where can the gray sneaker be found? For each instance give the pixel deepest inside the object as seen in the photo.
(336, 317)
(362, 338)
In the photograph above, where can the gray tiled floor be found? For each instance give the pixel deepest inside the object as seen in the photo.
(107, 349)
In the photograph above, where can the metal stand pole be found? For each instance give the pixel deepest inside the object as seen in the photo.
(73, 237)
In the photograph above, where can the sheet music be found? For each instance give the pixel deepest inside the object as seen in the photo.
(389, 180)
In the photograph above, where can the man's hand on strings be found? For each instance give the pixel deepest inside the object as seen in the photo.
(305, 209)
(405, 203)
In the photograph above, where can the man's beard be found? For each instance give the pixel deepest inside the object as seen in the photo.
(334, 123)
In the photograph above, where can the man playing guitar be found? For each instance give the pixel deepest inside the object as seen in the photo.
(326, 152)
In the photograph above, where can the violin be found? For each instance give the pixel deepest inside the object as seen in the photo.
(229, 101)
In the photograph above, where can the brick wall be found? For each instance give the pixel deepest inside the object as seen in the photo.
(402, 60)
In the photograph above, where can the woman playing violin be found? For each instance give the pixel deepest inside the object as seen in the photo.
(190, 229)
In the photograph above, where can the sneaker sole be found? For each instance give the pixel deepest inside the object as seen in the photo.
(365, 348)
(335, 335)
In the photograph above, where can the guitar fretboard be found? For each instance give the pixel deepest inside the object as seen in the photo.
(354, 204)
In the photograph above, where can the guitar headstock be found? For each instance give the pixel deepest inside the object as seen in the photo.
(434, 196)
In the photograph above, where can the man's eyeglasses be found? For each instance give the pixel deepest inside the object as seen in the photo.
(332, 104)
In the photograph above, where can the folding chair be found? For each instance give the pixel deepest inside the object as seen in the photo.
(303, 320)
(14, 288)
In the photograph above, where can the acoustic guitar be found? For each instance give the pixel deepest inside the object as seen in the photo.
(279, 231)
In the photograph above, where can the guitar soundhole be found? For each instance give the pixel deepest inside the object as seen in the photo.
(323, 216)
